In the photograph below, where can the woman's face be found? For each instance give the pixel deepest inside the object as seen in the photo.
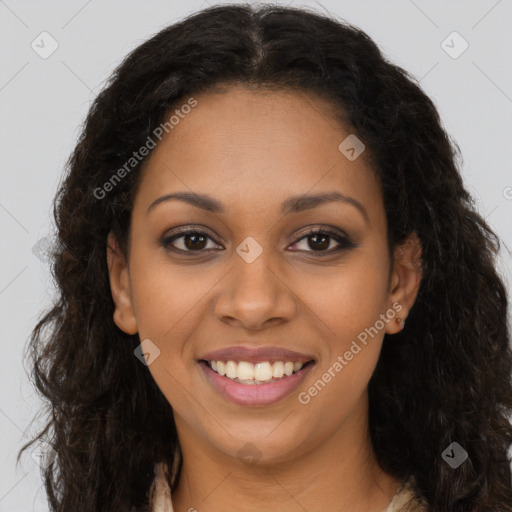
(253, 283)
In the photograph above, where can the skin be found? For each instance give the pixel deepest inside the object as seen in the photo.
(250, 150)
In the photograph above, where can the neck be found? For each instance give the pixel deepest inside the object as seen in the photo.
(339, 474)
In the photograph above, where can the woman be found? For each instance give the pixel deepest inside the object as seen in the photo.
(275, 291)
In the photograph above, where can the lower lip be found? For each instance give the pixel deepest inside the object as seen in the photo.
(255, 394)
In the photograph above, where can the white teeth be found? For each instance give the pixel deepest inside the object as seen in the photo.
(288, 368)
(231, 370)
(245, 371)
(278, 370)
(263, 371)
(259, 373)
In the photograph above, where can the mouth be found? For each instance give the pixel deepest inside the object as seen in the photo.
(255, 376)
(259, 373)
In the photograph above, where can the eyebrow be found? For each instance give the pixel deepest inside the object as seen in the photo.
(293, 204)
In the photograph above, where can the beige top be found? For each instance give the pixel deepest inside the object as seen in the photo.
(405, 499)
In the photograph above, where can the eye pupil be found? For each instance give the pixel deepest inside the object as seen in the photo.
(195, 237)
(323, 245)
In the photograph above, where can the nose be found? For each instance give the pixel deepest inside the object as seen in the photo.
(256, 294)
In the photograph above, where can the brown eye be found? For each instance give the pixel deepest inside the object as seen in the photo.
(188, 240)
(316, 240)
(319, 240)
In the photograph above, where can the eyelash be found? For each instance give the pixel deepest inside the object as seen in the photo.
(344, 242)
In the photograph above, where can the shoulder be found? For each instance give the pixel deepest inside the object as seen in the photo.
(160, 492)
(408, 498)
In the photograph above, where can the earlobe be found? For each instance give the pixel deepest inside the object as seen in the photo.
(405, 280)
(124, 315)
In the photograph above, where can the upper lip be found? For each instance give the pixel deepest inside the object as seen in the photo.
(256, 354)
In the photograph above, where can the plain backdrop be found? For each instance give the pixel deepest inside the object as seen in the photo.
(43, 102)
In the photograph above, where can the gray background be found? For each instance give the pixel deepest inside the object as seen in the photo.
(44, 101)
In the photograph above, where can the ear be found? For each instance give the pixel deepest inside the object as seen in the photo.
(124, 315)
(405, 280)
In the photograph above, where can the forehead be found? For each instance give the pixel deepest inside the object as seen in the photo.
(256, 147)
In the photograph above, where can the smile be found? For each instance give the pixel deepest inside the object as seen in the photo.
(260, 384)
(263, 372)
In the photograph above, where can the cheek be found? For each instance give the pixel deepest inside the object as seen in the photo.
(157, 309)
(351, 355)
(165, 296)
(168, 310)
(357, 296)
(354, 308)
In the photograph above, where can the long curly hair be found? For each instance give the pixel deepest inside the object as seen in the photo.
(445, 378)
